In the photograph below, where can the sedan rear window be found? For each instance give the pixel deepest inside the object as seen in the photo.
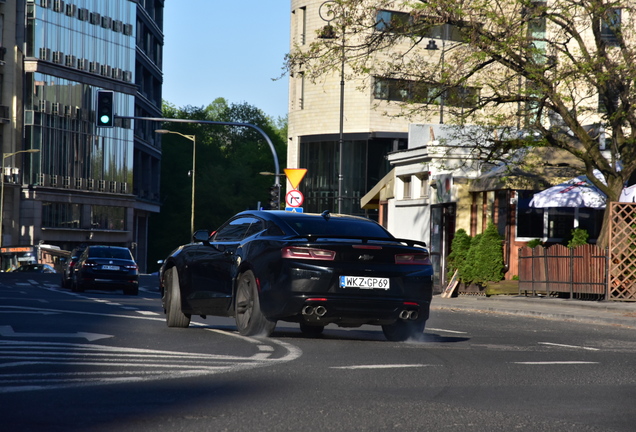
(337, 227)
(110, 253)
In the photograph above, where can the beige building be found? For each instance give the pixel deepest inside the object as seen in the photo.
(316, 110)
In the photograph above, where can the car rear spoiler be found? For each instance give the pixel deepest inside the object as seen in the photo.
(364, 240)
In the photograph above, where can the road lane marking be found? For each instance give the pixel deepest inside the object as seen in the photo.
(556, 363)
(446, 331)
(7, 331)
(387, 366)
(569, 346)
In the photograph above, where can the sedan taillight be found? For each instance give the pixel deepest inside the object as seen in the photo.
(413, 258)
(131, 266)
(308, 253)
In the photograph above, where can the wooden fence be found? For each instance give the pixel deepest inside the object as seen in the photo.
(580, 272)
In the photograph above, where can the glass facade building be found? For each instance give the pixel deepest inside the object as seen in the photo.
(80, 183)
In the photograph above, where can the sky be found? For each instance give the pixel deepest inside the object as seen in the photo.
(212, 49)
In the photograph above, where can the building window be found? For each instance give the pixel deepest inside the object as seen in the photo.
(402, 22)
(60, 215)
(406, 187)
(611, 27)
(411, 91)
(108, 218)
(391, 20)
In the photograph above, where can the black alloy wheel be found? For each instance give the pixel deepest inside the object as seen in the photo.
(174, 315)
(250, 321)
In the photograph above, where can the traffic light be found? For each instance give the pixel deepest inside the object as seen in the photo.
(105, 114)
(274, 202)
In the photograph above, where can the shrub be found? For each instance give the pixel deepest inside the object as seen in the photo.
(467, 271)
(487, 263)
(579, 238)
(534, 243)
(459, 251)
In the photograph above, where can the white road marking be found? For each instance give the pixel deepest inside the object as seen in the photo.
(556, 363)
(569, 346)
(387, 366)
(146, 312)
(7, 331)
(446, 331)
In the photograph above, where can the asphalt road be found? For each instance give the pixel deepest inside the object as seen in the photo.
(102, 361)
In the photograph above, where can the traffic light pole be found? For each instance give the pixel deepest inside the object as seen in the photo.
(249, 125)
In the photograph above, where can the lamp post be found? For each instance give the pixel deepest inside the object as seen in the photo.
(4, 157)
(328, 14)
(194, 153)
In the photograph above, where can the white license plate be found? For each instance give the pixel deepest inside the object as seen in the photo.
(364, 282)
(110, 267)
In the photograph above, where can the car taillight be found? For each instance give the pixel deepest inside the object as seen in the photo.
(308, 253)
(413, 258)
(89, 264)
(131, 267)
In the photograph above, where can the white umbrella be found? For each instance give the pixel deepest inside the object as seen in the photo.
(628, 194)
(576, 192)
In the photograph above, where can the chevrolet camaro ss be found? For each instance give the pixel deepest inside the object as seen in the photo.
(313, 269)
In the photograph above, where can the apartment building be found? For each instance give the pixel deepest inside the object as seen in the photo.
(71, 182)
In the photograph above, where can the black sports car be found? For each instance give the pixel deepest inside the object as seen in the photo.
(314, 269)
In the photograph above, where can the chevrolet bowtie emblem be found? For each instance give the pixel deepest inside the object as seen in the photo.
(365, 257)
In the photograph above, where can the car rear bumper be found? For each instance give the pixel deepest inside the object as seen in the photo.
(351, 311)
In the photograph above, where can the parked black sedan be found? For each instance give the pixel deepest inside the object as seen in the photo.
(110, 267)
(313, 269)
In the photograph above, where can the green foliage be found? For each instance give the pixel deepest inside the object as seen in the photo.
(228, 162)
(534, 243)
(479, 259)
(459, 251)
(488, 265)
(467, 272)
(579, 237)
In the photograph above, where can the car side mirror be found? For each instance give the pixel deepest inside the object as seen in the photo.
(201, 236)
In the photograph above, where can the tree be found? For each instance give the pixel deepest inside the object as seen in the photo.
(459, 252)
(557, 74)
(228, 163)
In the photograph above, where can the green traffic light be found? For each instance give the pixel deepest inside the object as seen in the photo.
(104, 119)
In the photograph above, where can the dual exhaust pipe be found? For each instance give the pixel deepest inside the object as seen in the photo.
(409, 315)
(319, 311)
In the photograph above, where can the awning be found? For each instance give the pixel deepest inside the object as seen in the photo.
(382, 191)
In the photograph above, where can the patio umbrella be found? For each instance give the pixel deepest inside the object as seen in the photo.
(576, 192)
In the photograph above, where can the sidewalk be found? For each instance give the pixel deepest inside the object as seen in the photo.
(593, 312)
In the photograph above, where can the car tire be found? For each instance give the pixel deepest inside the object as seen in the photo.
(131, 291)
(250, 321)
(174, 315)
(401, 330)
(77, 287)
(311, 330)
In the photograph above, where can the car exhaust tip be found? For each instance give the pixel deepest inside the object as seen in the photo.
(405, 314)
(414, 315)
(308, 310)
(321, 311)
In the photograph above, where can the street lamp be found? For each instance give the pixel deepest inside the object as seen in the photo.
(4, 157)
(327, 13)
(194, 147)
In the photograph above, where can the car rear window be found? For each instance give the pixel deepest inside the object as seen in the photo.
(110, 253)
(337, 226)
